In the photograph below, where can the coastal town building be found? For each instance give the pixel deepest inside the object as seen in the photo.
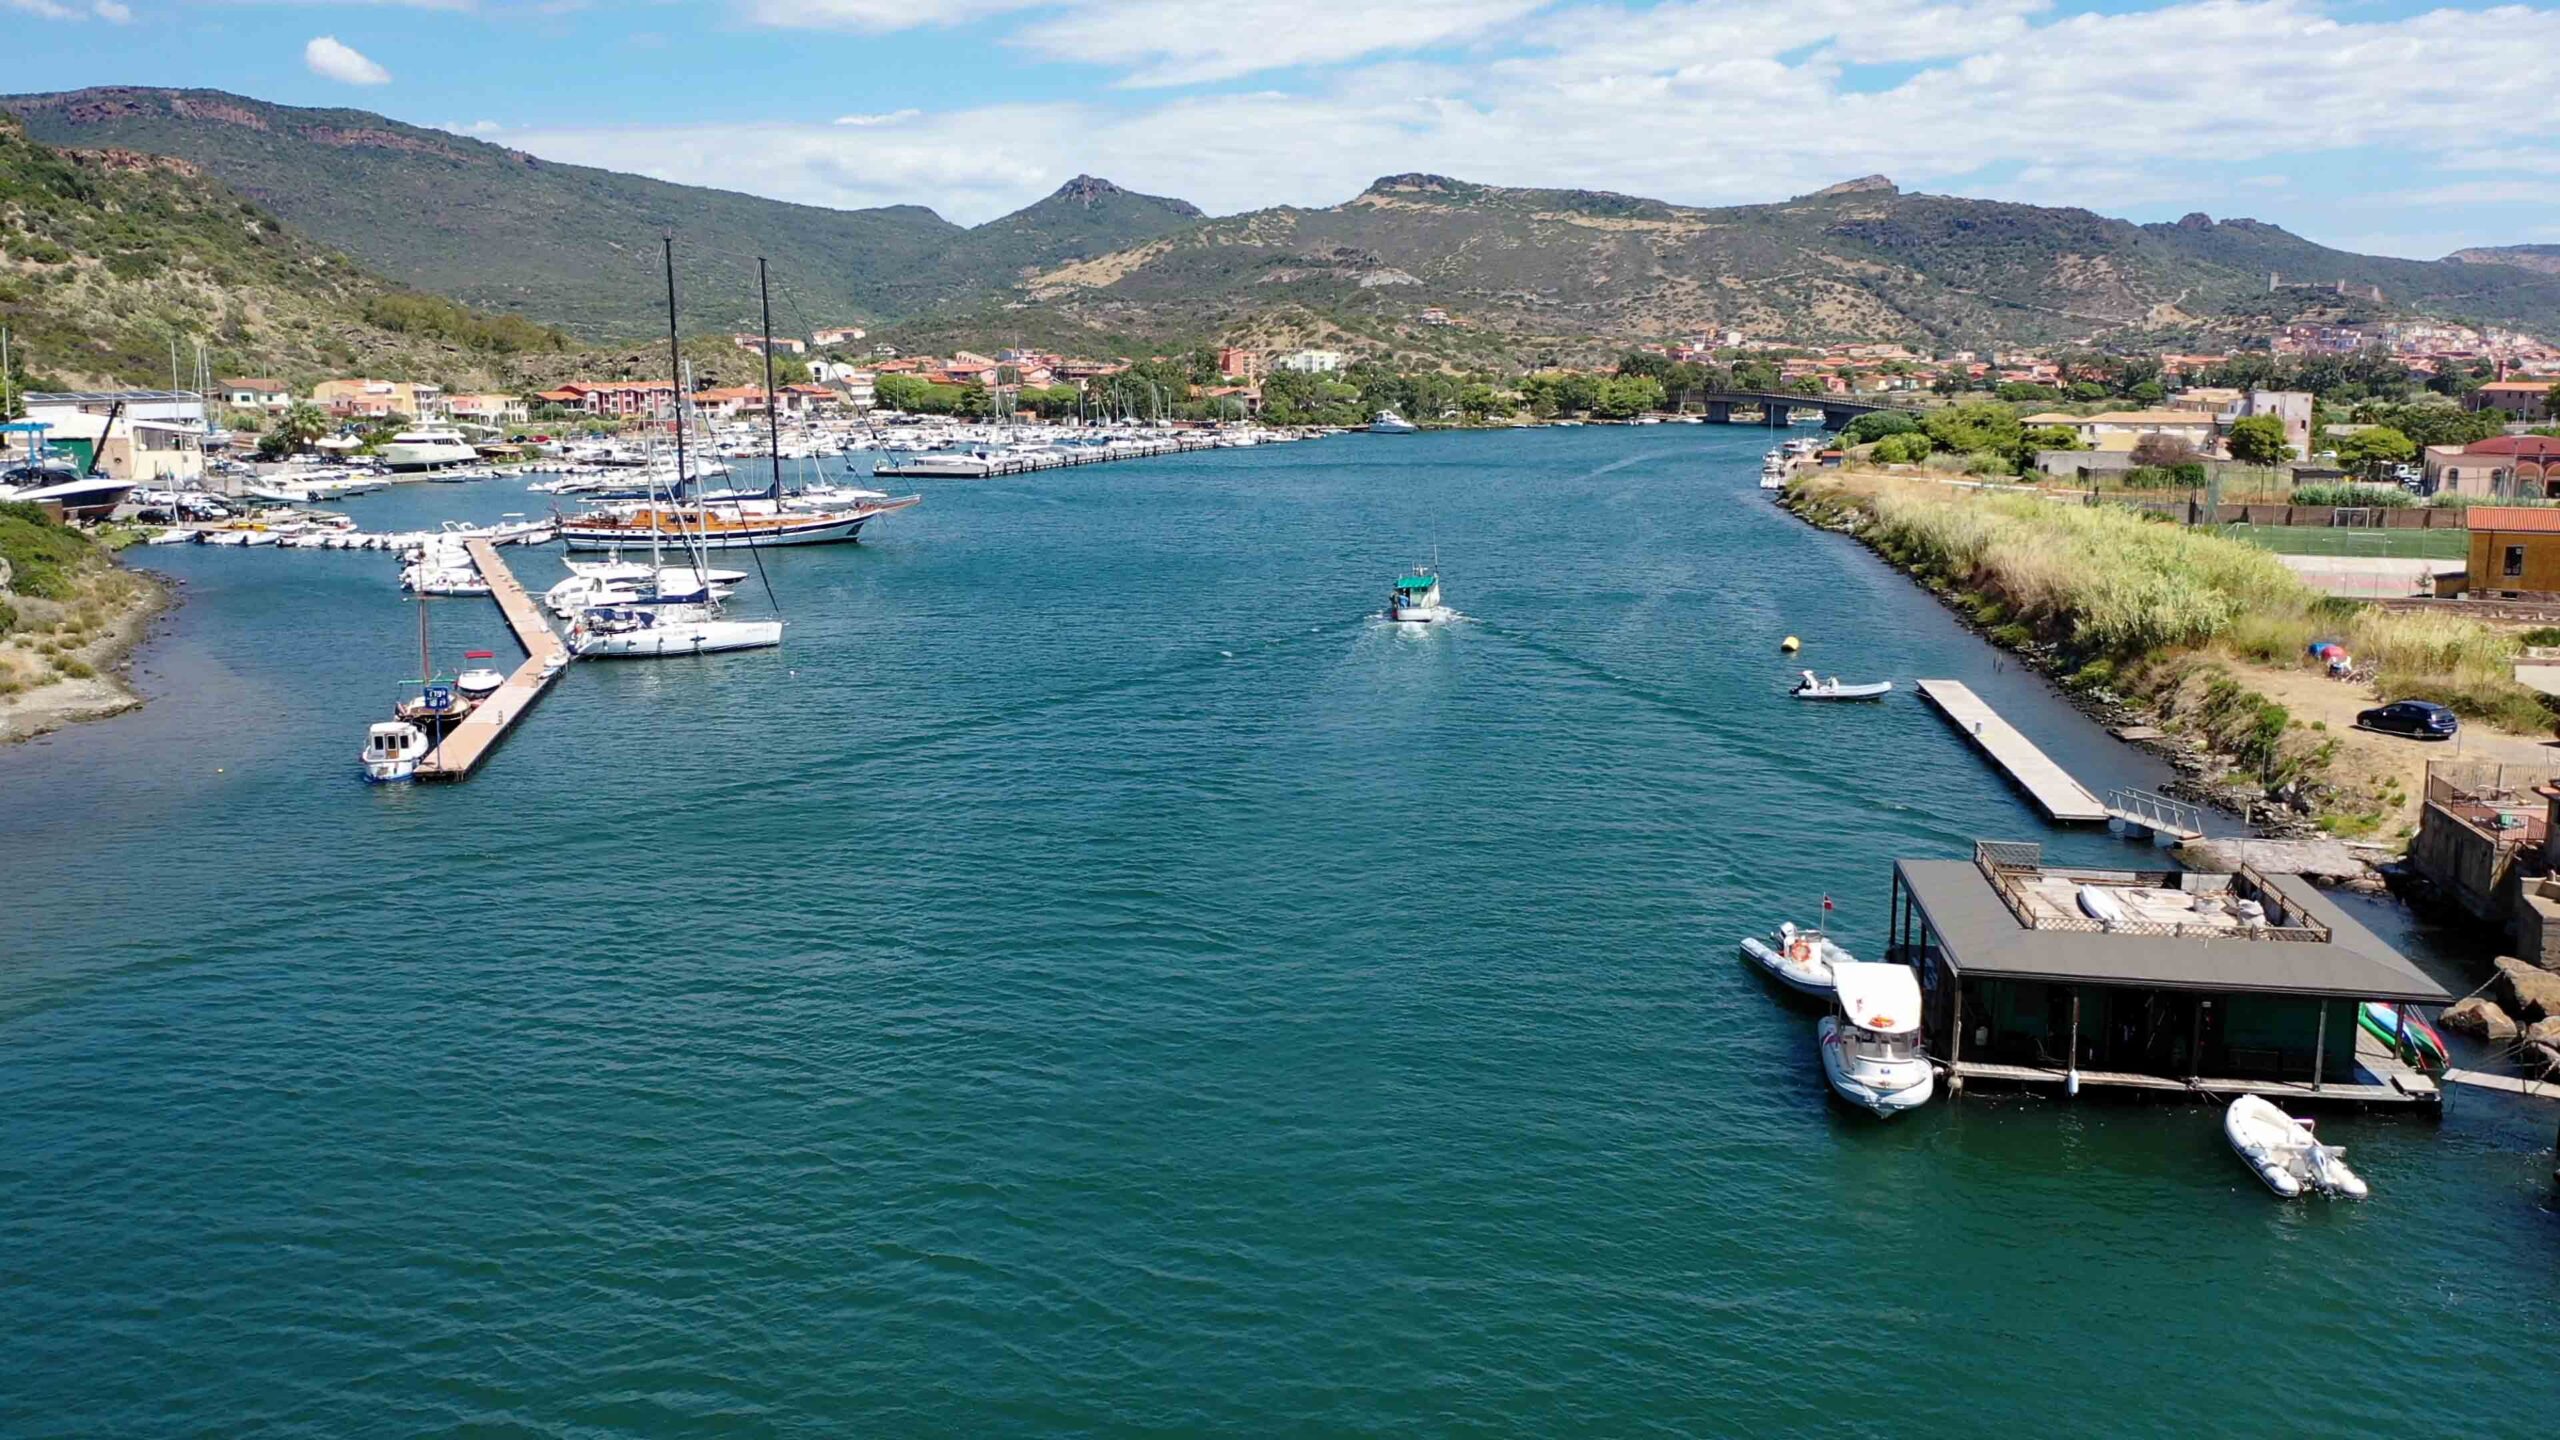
(2515, 551)
(488, 409)
(1238, 363)
(2504, 467)
(2294, 407)
(361, 399)
(257, 394)
(2121, 430)
(1310, 362)
(829, 335)
(141, 436)
(782, 344)
(615, 399)
(2528, 400)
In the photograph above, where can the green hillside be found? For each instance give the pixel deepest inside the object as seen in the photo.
(1570, 271)
(107, 257)
(497, 228)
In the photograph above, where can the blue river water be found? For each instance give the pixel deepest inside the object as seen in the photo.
(1098, 979)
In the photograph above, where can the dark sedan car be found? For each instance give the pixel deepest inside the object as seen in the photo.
(2423, 719)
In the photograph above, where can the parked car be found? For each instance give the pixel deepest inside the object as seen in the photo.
(2421, 719)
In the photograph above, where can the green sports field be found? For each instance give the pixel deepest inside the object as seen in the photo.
(2332, 540)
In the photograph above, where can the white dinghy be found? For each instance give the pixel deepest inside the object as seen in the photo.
(1810, 688)
(1800, 959)
(2283, 1152)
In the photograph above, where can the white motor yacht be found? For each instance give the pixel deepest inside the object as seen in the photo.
(1388, 422)
(428, 447)
(1870, 1042)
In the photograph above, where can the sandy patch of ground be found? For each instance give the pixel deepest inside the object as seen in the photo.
(2365, 759)
(67, 700)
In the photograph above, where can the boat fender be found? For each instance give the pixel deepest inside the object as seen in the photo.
(1791, 645)
(2071, 1084)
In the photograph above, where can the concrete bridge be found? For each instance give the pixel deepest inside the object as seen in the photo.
(1837, 410)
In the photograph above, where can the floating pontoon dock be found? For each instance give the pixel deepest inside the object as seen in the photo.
(2063, 800)
(468, 743)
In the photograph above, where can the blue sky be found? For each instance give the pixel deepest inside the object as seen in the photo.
(2383, 125)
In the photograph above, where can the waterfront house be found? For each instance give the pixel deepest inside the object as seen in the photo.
(1310, 362)
(362, 399)
(2207, 985)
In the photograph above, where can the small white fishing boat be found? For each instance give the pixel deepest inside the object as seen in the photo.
(479, 683)
(1773, 471)
(1416, 598)
(1809, 688)
(2284, 1153)
(392, 750)
(1800, 959)
(1870, 1042)
(1389, 422)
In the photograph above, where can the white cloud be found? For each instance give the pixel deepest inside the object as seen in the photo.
(2196, 105)
(892, 117)
(1181, 42)
(333, 61)
(874, 15)
(476, 127)
(114, 12)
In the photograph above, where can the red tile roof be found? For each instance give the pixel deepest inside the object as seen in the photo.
(2514, 518)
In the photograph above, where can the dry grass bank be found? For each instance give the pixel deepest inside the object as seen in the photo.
(2185, 621)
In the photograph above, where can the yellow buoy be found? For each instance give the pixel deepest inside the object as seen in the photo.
(1791, 644)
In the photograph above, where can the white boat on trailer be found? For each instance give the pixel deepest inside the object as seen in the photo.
(1801, 960)
(1870, 1042)
(2284, 1154)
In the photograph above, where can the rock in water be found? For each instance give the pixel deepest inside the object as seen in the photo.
(2478, 1016)
(2544, 1032)
(2533, 993)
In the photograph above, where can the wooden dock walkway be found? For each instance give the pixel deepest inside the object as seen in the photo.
(2063, 800)
(467, 744)
(2511, 1084)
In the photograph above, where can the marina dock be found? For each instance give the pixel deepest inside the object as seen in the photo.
(2063, 800)
(2511, 1084)
(546, 657)
(2381, 1079)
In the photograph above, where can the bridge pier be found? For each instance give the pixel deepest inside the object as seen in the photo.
(1719, 412)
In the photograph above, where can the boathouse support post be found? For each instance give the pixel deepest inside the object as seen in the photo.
(2320, 1043)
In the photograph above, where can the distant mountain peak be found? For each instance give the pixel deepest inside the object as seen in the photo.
(1416, 183)
(1863, 185)
(1090, 191)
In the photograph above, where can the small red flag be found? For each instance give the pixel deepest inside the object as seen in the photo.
(1826, 904)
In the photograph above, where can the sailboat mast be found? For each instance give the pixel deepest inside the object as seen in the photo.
(675, 364)
(772, 420)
